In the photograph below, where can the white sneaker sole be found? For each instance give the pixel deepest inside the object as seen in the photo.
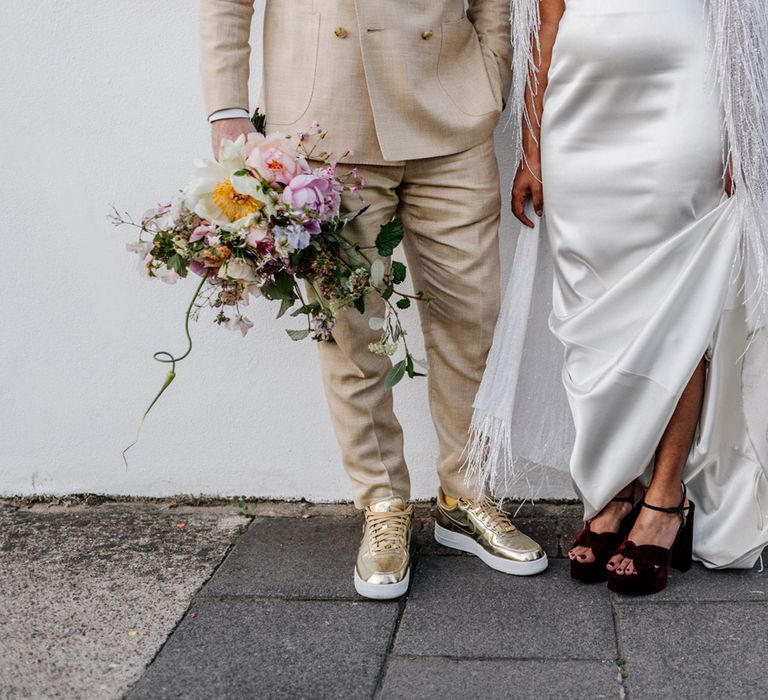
(382, 591)
(465, 543)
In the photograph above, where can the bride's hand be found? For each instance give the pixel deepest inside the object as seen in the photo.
(527, 184)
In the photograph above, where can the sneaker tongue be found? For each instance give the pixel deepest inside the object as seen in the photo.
(388, 505)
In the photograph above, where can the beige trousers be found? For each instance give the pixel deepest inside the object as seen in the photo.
(450, 206)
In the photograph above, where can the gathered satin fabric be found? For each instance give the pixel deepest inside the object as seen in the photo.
(646, 281)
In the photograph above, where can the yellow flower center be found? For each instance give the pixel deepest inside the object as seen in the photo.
(234, 205)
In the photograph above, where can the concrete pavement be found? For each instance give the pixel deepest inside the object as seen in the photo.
(270, 612)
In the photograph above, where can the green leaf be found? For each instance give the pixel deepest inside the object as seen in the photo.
(349, 217)
(259, 122)
(410, 368)
(403, 303)
(285, 304)
(360, 304)
(389, 237)
(280, 288)
(305, 309)
(394, 375)
(354, 257)
(178, 264)
(377, 273)
(386, 293)
(298, 335)
(399, 272)
(240, 173)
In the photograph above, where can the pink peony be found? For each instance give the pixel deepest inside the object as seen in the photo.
(318, 192)
(273, 157)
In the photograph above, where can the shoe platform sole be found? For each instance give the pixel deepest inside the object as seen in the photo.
(382, 591)
(465, 543)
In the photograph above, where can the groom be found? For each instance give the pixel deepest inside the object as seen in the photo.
(415, 88)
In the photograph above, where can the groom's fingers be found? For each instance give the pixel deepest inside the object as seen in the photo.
(518, 206)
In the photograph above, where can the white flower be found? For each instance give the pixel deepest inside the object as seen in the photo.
(249, 290)
(238, 270)
(240, 323)
(141, 249)
(283, 246)
(170, 218)
(228, 200)
(165, 274)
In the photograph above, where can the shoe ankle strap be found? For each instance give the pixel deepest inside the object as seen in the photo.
(679, 509)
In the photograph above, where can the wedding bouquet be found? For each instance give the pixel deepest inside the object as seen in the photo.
(266, 221)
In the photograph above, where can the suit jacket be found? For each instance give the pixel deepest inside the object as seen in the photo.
(392, 79)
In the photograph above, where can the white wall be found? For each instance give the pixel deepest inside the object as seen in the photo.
(101, 104)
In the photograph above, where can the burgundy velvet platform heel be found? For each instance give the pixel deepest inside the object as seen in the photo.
(652, 562)
(603, 544)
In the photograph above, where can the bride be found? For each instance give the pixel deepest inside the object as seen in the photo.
(644, 156)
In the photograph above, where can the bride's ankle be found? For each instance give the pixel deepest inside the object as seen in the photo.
(664, 495)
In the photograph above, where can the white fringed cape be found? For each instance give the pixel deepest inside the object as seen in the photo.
(510, 430)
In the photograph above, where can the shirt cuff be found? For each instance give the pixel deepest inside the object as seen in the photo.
(232, 113)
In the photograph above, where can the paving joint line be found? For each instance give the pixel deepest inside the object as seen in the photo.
(183, 616)
(286, 599)
(621, 659)
(402, 604)
(543, 659)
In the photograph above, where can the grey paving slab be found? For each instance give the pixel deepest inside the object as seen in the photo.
(89, 594)
(694, 650)
(707, 585)
(273, 649)
(459, 607)
(440, 678)
(291, 558)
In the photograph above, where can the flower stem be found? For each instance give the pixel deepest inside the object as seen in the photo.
(167, 358)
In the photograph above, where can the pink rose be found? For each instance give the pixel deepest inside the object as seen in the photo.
(273, 157)
(318, 192)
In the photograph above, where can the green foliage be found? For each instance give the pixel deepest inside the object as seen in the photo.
(403, 303)
(390, 236)
(305, 309)
(285, 304)
(280, 288)
(259, 121)
(395, 374)
(178, 264)
(399, 272)
(298, 335)
(377, 273)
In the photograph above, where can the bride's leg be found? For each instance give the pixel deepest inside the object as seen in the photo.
(653, 527)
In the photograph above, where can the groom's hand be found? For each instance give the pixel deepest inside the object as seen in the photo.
(229, 129)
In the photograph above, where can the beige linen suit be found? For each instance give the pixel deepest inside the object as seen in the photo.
(414, 88)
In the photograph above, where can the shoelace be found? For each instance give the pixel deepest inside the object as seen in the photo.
(493, 518)
(388, 529)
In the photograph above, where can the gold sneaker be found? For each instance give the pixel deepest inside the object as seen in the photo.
(480, 528)
(383, 567)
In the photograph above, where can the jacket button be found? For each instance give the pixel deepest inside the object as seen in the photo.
(428, 34)
(341, 32)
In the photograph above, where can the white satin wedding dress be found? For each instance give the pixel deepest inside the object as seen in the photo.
(645, 250)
